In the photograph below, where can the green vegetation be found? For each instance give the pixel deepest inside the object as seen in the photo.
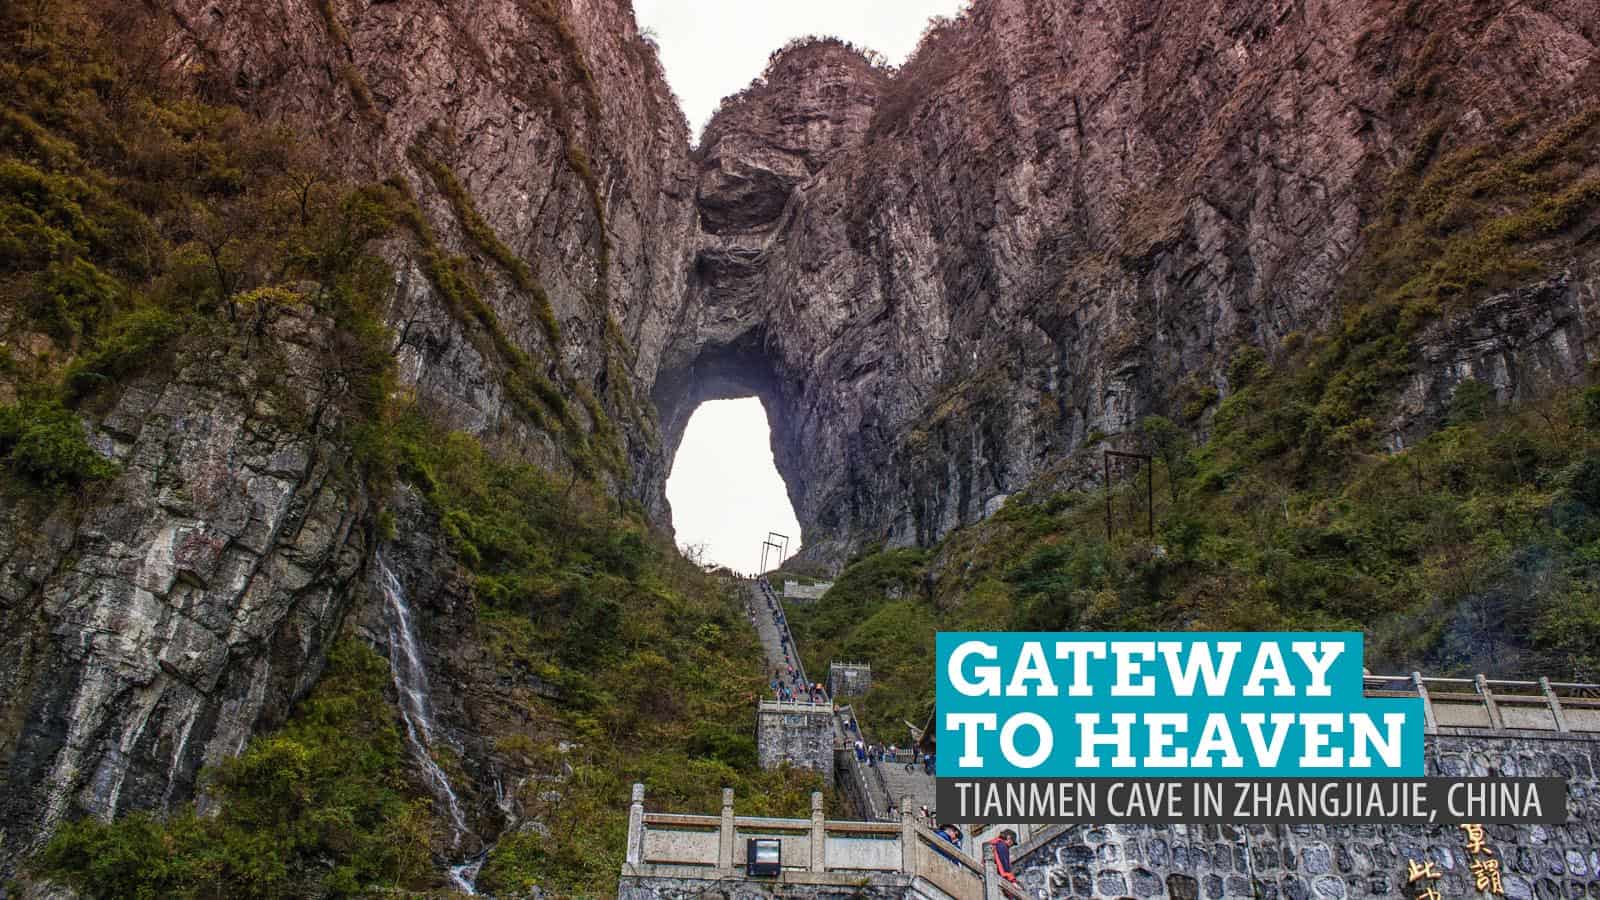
(318, 808)
(44, 443)
(1481, 218)
(348, 73)
(1476, 550)
(457, 281)
(481, 234)
(656, 667)
(139, 224)
(549, 15)
(529, 385)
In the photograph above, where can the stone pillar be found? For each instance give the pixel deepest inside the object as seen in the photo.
(1482, 683)
(1430, 723)
(908, 837)
(1555, 704)
(636, 827)
(725, 839)
(819, 835)
(991, 876)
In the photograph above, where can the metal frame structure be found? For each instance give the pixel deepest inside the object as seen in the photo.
(782, 548)
(766, 548)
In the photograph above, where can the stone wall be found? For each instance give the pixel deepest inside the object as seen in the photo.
(878, 886)
(1336, 862)
(849, 679)
(796, 592)
(800, 734)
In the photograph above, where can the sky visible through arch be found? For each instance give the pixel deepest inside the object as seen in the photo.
(713, 48)
(725, 490)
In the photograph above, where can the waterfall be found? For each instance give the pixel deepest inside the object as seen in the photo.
(463, 877)
(411, 684)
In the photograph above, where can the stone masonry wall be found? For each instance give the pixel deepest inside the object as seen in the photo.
(849, 679)
(1340, 862)
(799, 734)
(878, 886)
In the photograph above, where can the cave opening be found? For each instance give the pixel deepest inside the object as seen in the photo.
(727, 422)
(725, 489)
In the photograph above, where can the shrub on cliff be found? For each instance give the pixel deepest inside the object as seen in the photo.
(44, 443)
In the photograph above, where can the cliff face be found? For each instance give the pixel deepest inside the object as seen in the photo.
(943, 282)
(151, 632)
(161, 622)
(1060, 217)
(559, 129)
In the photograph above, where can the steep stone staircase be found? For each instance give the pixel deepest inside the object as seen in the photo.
(885, 785)
(761, 605)
(914, 784)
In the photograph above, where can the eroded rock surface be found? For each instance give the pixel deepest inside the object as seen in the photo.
(1060, 213)
(151, 629)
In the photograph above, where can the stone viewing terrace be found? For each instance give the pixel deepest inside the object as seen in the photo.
(800, 592)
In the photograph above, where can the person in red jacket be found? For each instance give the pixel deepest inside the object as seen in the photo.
(1001, 848)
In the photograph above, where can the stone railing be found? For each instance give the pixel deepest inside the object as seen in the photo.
(1495, 704)
(683, 849)
(1352, 862)
(804, 706)
(872, 777)
(998, 888)
(866, 783)
(796, 592)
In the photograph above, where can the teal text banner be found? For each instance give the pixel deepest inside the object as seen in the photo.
(1201, 705)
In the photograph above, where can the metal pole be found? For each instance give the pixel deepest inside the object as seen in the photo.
(1107, 458)
(1150, 498)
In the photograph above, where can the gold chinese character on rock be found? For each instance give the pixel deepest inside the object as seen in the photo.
(1475, 840)
(1416, 871)
(1486, 875)
(1428, 893)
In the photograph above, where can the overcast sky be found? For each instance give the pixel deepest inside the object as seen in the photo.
(725, 490)
(713, 48)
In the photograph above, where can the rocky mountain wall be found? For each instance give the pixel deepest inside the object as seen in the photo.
(558, 125)
(942, 282)
(152, 631)
(159, 624)
(1058, 215)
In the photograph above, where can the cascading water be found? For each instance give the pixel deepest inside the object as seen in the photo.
(411, 684)
(464, 876)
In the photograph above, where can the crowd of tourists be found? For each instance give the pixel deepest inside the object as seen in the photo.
(788, 683)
